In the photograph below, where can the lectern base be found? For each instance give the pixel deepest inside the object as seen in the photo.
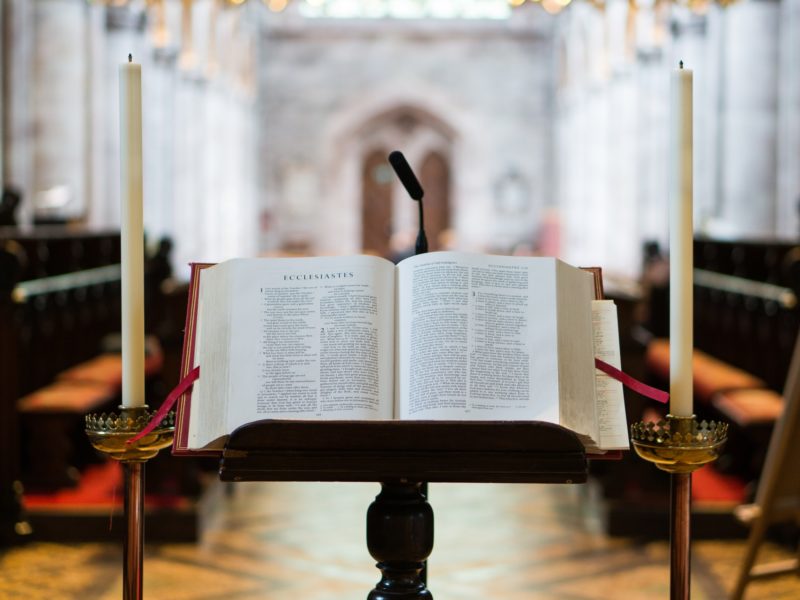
(400, 538)
(402, 454)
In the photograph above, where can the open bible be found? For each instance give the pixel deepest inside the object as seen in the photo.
(440, 336)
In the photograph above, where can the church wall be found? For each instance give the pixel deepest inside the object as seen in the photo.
(788, 183)
(60, 111)
(18, 45)
(613, 123)
(59, 107)
(750, 117)
(256, 123)
(321, 84)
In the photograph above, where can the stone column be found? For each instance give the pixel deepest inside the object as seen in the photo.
(788, 193)
(695, 43)
(100, 103)
(189, 200)
(59, 100)
(622, 235)
(18, 131)
(750, 118)
(652, 142)
(160, 216)
(122, 38)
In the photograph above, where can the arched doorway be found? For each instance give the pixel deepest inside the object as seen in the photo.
(376, 203)
(435, 179)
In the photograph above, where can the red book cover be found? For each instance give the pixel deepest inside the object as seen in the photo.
(183, 408)
(184, 404)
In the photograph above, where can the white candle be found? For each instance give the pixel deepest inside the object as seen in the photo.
(130, 116)
(680, 245)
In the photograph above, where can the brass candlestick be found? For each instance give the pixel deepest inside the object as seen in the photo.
(679, 446)
(109, 433)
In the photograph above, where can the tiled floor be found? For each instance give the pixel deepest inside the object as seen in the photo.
(291, 541)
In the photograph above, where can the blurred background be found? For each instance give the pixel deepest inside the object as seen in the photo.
(536, 128)
(266, 124)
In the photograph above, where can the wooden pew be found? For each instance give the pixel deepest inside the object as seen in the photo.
(60, 301)
(746, 321)
(747, 317)
(13, 525)
(59, 344)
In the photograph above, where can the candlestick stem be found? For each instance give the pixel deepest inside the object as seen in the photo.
(680, 536)
(110, 434)
(134, 532)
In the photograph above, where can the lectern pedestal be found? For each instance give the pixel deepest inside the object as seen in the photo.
(400, 455)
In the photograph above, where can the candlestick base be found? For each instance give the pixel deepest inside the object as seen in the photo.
(679, 444)
(109, 433)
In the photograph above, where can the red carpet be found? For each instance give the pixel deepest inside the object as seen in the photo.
(710, 486)
(100, 485)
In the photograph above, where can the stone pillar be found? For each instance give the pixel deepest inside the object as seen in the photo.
(622, 235)
(750, 118)
(100, 104)
(788, 193)
(122, 38)
(652, 143)
(160, 216)
(189, 200)
(18, 133)
(59, 107)
(694, 43)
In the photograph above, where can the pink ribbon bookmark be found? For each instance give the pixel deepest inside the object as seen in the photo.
(631, 383)
(169, 402)
(194, 374)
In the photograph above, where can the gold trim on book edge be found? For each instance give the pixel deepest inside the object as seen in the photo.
(180, 421)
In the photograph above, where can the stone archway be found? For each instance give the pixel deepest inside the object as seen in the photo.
(419, 121)
(389, 218)
(376, 204)
(434, 177)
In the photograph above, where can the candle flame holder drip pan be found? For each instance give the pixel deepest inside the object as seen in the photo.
(679, 444)
(109, 433)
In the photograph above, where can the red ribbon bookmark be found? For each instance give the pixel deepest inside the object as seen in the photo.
(630, 382)
(194, 374)
(169, 402)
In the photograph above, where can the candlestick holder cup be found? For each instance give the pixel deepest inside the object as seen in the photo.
(679, 446)
(110, 434)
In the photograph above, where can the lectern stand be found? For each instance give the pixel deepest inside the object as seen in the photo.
(400, 455)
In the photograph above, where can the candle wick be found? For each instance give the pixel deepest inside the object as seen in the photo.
(680, 65)
(130, 59)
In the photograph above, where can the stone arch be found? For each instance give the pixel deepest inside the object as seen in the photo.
(376, 203)
(435, 175)
(414, 119)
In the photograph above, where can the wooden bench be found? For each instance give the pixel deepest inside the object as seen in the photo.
(711, 376)
(747, 317)
(59, 358)
(745, 324)
(54, 325)
(55, 449)
(52, 424)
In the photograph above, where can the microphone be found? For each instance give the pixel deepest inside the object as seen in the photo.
(414, 189)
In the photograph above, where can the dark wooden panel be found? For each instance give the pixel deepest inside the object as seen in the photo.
(437, 451)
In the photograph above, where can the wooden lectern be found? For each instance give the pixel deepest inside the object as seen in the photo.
(401, 455)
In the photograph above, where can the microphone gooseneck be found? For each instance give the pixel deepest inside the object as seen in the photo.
(406, 175)
(414, 189)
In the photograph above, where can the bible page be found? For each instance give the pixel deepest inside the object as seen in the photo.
(610, 399)
(477, 338)
(576, 372)
(208, 411)
(312, 338)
